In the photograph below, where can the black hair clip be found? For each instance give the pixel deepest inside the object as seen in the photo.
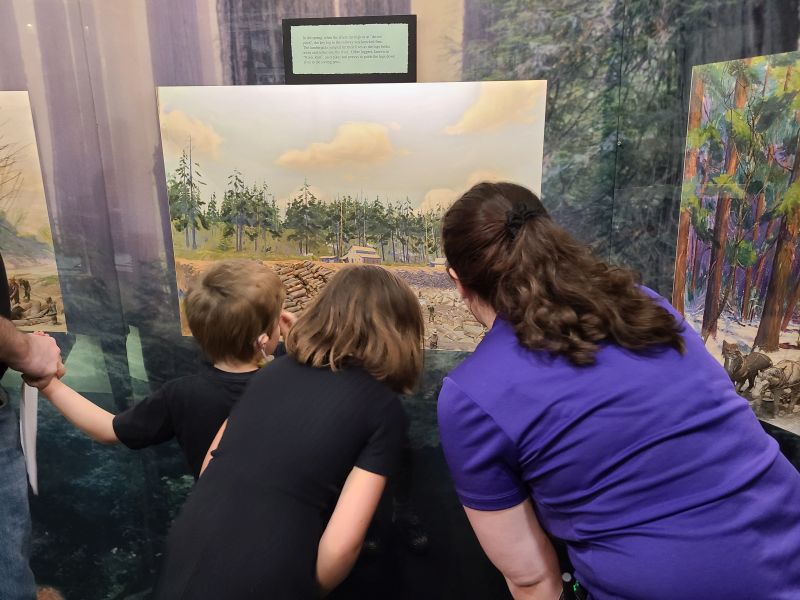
(519, 215)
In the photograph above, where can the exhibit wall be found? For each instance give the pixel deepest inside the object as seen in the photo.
(618, 84)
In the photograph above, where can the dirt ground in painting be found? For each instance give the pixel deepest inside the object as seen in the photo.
(448, 323)
(744, 334)
(44, 284)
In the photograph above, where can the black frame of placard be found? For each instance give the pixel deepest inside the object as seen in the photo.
(409, 76)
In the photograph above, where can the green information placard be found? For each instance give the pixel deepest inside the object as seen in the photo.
(350, 50)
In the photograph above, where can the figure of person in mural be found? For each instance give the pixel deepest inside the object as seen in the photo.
(51, 310)
(433, 342)
(39, 360)
(592, 413)
(26, 288)
(13, 290)
(17, 313)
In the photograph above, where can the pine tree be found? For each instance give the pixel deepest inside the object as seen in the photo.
(185, 202)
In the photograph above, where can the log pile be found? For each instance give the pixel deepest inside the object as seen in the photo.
(303, 281)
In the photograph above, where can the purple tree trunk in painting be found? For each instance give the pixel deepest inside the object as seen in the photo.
(721, 219)
(769, 328)
(748, 273)
(768, 336)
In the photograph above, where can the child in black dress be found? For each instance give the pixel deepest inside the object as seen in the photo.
(267, 519)
(234, 313)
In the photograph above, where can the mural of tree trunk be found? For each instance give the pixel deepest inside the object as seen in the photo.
(748, 273)
(679, 285)
(690, 171)
(794, 296)
(762, 260)
(720, 237)
(696, 256)
(769, 329)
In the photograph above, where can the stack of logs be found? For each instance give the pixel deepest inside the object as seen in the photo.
(303, 280)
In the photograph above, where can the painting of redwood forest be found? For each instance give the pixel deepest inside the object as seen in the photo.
(737, 269)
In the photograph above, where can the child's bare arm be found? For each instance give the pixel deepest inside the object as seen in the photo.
(213, 446)
(94, 421)
(344, 535)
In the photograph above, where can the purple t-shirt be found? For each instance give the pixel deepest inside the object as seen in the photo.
(650, 467)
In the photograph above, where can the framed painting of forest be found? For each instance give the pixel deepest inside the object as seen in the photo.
(308, 179)
(26, 240)
(737, 270)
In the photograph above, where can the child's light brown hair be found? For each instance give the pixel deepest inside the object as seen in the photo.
(230, 305)
(365, 317)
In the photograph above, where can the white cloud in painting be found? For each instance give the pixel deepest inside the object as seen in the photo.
(483, 175)
(500, 104)
(442, 198)
(177, 127)
(438, 198)
(353, 144)
(319, 193)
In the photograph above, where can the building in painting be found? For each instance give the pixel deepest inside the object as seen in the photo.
(362, 255)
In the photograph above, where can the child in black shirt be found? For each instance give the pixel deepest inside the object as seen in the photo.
(234, 313)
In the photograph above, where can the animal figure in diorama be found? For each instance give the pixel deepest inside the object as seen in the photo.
(743, 368)
(782, 385)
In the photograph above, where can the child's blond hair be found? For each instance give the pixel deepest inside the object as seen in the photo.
(230, 305)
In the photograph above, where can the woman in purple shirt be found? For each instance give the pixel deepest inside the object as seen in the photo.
(592, 412)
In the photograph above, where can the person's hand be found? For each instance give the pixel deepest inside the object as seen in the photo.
(50, 389)
(285, 322)
(41, 362)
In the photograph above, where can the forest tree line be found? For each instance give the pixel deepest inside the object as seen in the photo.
(248, 217)
(740, 215)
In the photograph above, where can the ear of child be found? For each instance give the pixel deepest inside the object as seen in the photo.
(266, 343)
(286, 322)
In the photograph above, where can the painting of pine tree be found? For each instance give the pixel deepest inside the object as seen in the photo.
(308, 179)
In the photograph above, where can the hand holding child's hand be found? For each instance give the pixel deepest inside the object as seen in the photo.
(42, 362)
(285, 322)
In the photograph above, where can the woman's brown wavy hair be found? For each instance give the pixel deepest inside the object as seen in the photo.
(559, 297)
(366, 317)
